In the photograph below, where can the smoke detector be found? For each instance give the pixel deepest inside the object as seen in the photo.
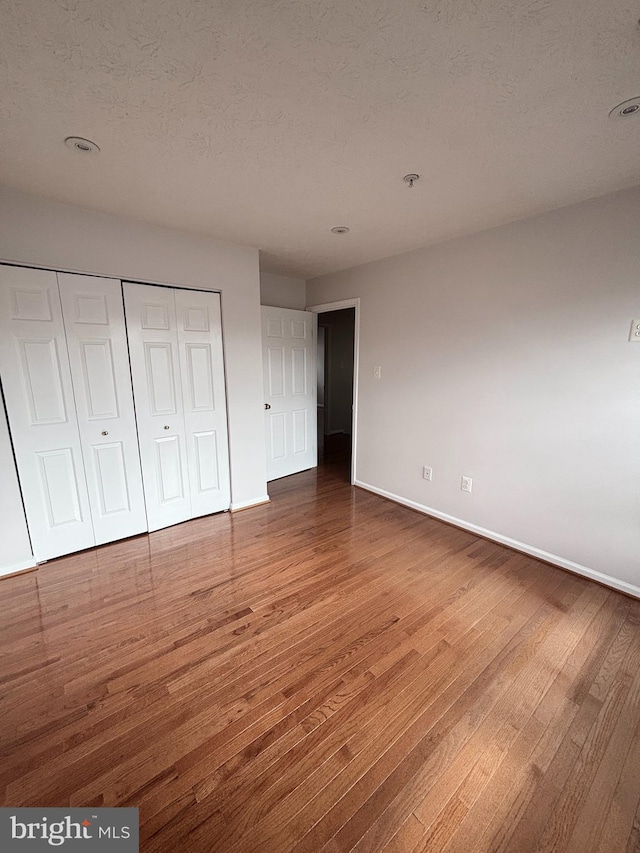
(340, 229)
(83, 146)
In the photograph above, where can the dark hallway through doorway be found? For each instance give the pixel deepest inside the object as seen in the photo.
(336, 335)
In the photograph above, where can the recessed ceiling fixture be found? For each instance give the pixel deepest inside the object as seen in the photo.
(411, 179)
(340, 229)
(626, 109)
(83, 146)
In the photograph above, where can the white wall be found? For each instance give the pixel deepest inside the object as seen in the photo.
(281, 291)
(505, 357)
(38, 232)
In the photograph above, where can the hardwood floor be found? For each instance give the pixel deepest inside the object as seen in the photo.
(328, 672)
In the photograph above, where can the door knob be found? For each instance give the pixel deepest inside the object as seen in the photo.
(105, 432)
(267, 406)
(167, 427)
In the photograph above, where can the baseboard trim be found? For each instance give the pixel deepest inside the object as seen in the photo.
(545, 556)
(236, 507)
(18, 568)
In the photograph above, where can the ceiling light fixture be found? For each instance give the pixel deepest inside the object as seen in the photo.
(340, 229)
(411, 179)
(626, 109)
(83, 146)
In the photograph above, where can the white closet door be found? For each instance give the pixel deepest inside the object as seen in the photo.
(155, 369)
(36, 379)
(290, 390)
(93, 316)
(203, 394)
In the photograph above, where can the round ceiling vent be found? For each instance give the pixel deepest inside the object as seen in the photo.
(340, 229)
(626, 109)
(83, 146)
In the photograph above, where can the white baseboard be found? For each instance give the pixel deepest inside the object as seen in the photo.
(20, 566)
(235, 507)
(578, 569)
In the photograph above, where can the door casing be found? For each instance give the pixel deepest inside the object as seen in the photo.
(320, 308)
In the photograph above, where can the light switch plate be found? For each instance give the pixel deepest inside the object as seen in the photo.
(634, 334)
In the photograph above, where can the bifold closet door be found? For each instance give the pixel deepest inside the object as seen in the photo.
(155, 370)
(40, 403)
(175, 346)
(199, 325)
(93, 315)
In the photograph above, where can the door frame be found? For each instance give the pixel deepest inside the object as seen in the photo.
(322, 308)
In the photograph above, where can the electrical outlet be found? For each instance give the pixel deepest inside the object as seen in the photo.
(427, 473)
(377, 372)
(466, 483)
(634, 334)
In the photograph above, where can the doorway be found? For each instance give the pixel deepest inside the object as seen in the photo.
(336, 379)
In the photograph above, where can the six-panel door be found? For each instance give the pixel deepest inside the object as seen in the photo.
(40, 404)
(175, 345)
(96, 339)
(288, 357)
(203, 395)
(155, 369)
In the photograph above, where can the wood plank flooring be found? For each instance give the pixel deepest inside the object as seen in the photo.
(329, 672)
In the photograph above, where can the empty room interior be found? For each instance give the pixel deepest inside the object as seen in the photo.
(320, 422)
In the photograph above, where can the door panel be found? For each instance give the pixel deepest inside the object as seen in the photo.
(60, 486)
(169, 469)
(86, 308)
(300, 431)
(277, 437)
(97, 374)
(199, 377)
(207, 455)
(299, 372)
(203, 393)
(161, 377)
(36, 378)
(43, 380)
(96, 339)
(153, 346)
(109, 463)
(275, 370)
(289, 358)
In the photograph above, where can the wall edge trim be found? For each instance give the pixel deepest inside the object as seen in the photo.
(235, 507)
(20, 566)
(523, 547)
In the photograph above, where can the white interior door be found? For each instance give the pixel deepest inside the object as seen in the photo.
(93, 316)
(36, 378)
(204, 401)
(289, 370)
(155, 370)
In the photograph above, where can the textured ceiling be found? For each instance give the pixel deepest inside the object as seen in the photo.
(266, 123)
